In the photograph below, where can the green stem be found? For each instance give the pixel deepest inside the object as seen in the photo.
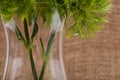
(50, 42)
(33, 65)
(43, 70)
(49, 45)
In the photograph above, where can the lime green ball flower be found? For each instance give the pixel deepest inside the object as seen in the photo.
(88, 16)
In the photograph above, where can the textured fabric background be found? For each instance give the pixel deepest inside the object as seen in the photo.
(96, 58)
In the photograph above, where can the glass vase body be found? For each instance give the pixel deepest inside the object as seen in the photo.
(18, 65)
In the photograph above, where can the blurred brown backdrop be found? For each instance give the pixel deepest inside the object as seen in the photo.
(96, 58)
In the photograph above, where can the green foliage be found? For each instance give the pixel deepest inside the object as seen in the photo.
(22, 8)
(88, 16)
(45, 10)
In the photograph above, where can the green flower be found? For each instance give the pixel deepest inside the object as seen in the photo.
(88, 16)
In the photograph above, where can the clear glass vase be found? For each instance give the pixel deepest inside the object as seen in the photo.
(18, 66)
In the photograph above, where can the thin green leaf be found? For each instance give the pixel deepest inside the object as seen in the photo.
(43, 50)
(35, 29)
(19, 34)
(26, 31)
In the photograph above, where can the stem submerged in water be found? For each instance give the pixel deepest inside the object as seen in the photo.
(43, 70)
(47, 53)
(32, 65)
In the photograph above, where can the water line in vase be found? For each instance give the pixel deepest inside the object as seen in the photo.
(7, 50)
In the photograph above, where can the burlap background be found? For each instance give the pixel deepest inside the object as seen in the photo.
(96, 58)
